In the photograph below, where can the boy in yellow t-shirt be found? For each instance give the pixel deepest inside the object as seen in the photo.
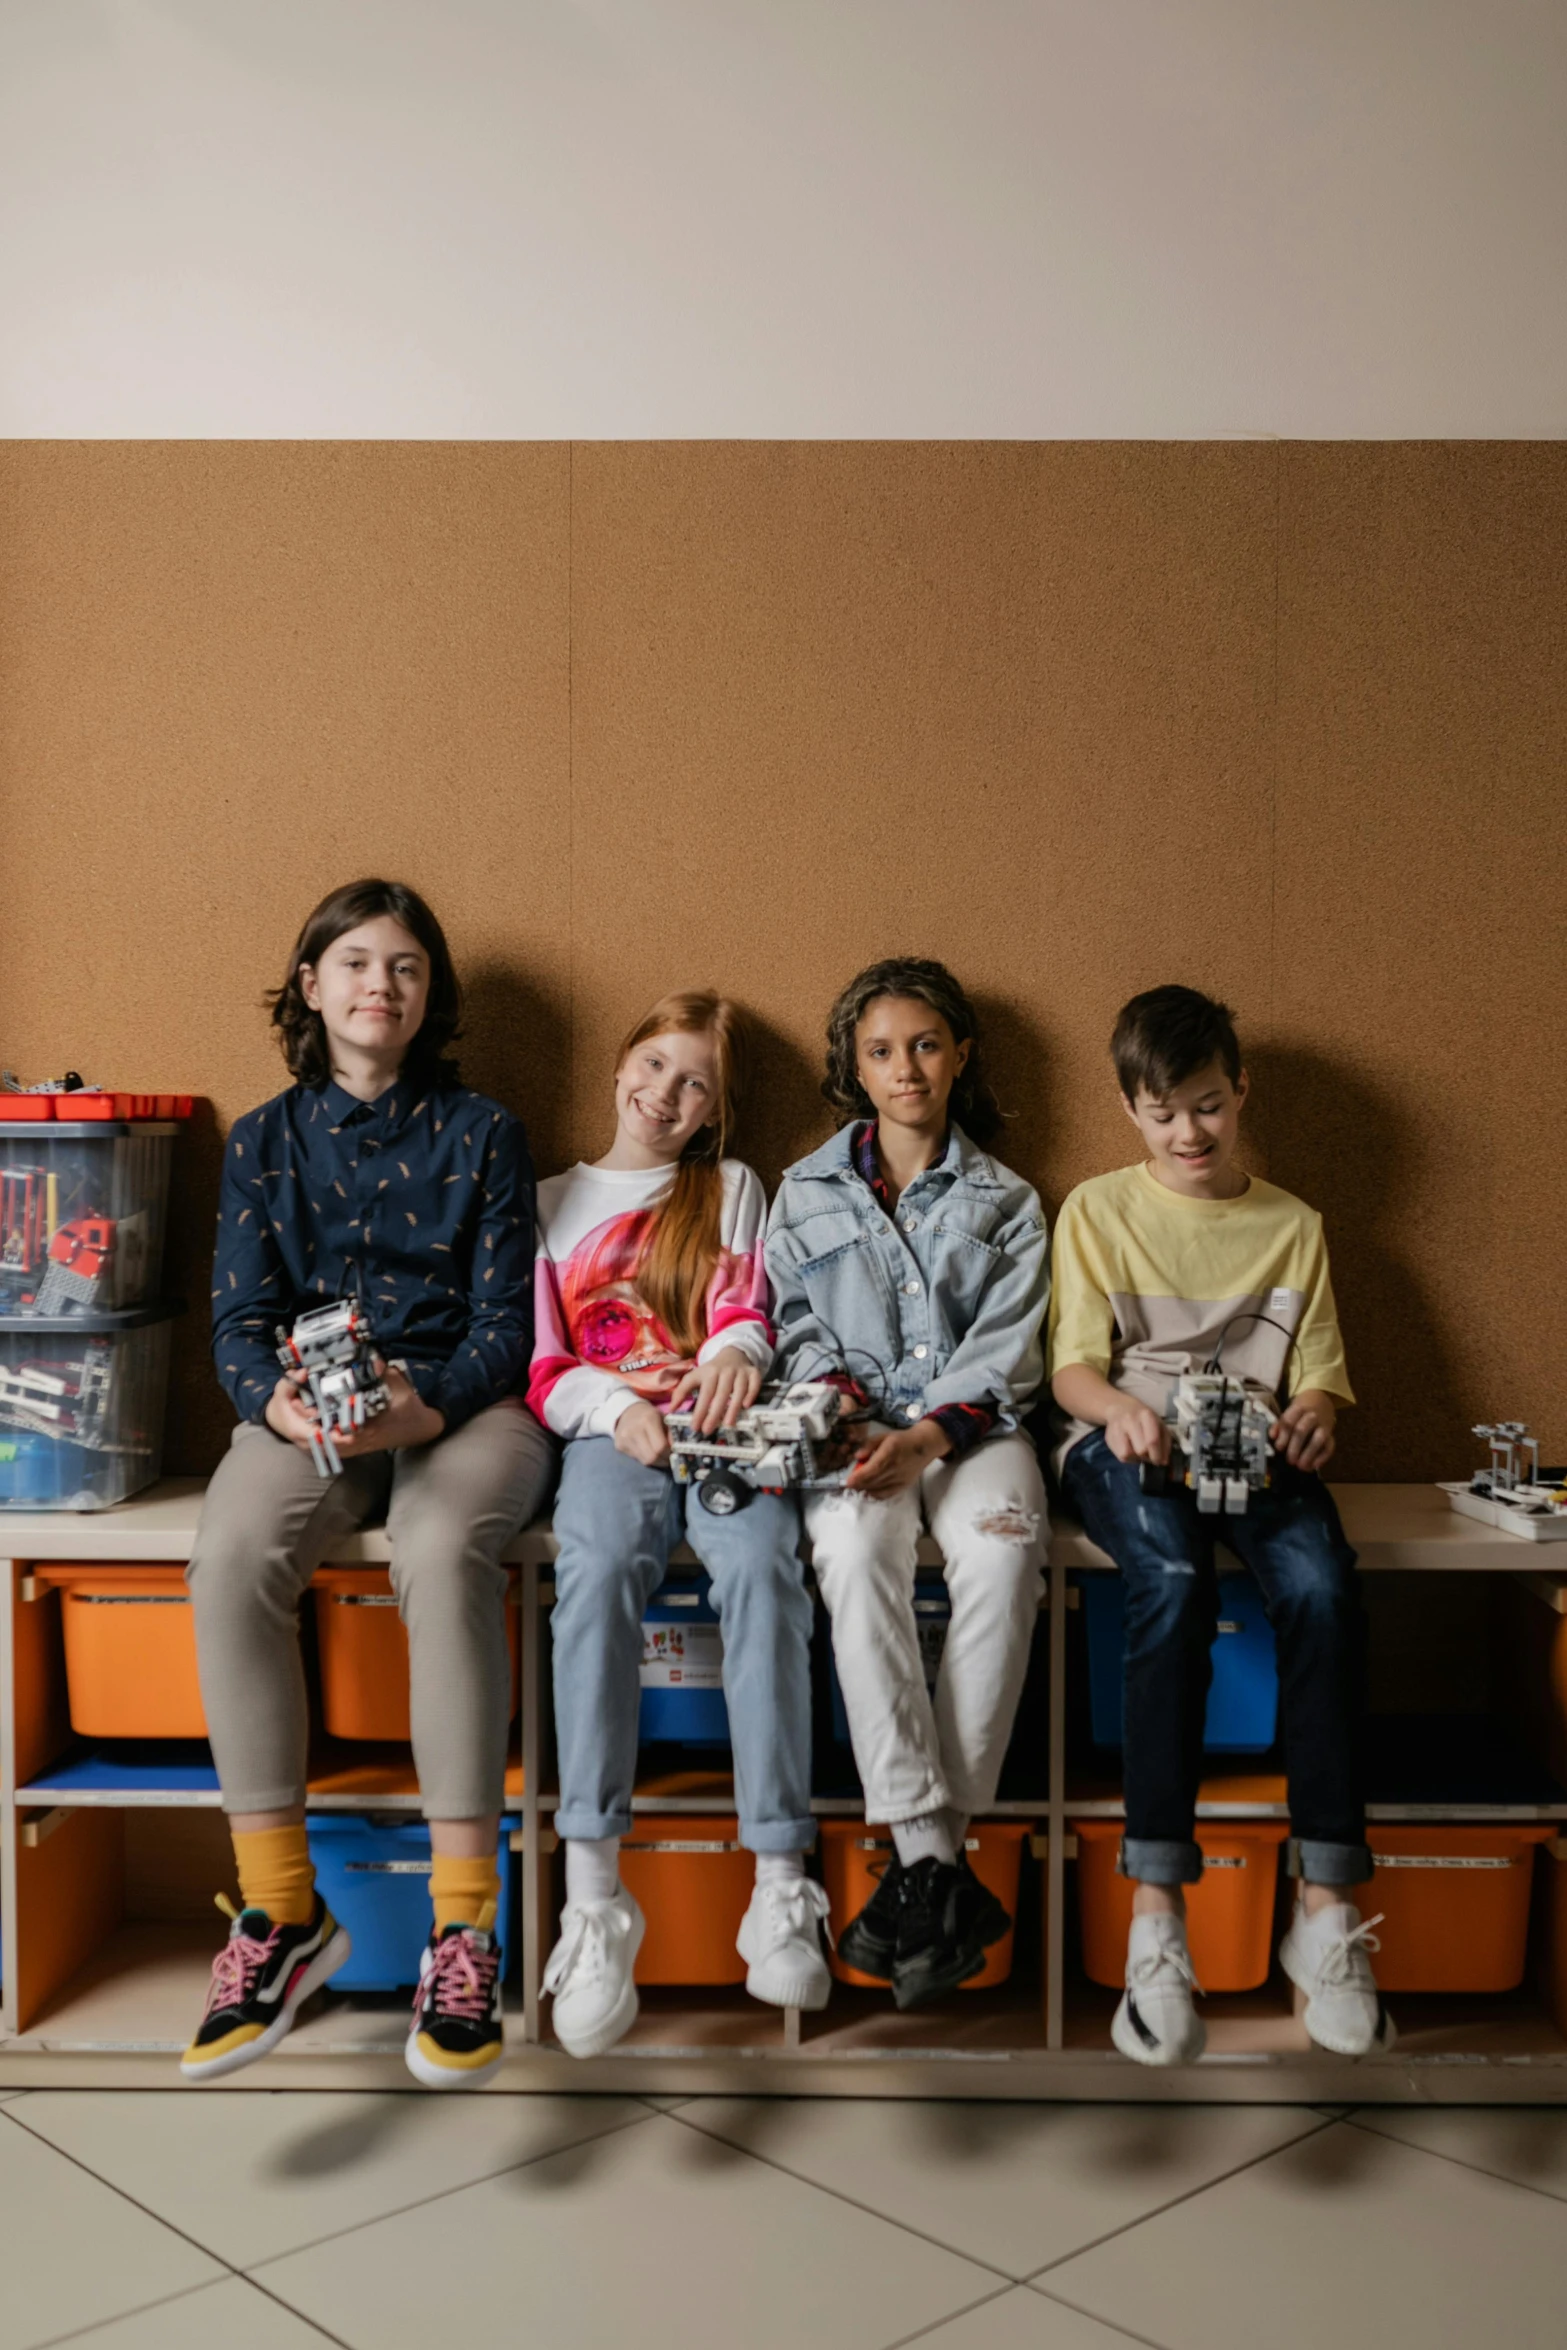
(1180, 1264)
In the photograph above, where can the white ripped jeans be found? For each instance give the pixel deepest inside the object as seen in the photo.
(987, 1512)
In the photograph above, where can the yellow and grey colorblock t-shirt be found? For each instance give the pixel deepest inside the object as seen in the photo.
(1147, 1283)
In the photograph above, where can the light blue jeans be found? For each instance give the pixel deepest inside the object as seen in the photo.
(617, 1522)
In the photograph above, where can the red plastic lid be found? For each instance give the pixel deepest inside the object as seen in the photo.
(91, 1105)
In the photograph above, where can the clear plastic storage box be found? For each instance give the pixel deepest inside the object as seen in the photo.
(81, 1407)
(83, 1206)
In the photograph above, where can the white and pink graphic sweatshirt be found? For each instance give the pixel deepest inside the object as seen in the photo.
(598, 1346)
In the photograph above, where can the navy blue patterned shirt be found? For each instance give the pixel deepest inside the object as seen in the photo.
(420, 1203)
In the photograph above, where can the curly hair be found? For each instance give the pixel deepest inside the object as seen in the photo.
(302, 1032)
(973, 1106)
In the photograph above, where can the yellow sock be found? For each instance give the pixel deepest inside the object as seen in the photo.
(465, 1892)
(275, 1873)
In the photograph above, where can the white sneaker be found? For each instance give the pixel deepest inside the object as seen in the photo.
(779, 1941)
(1326, 1956)
(590, 1973)
(1156, 2022)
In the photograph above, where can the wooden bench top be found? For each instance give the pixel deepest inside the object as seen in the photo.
(1391, 1526)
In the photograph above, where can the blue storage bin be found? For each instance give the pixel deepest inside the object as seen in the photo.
(1243, 1697)
(683, 1667)
(374, 1876)
(932, 1615)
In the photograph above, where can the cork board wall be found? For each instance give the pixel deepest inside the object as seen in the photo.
(1280, 721)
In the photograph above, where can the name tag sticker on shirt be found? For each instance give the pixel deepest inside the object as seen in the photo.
(1280, 1300)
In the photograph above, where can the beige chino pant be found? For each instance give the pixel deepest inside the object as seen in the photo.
(450, 1509)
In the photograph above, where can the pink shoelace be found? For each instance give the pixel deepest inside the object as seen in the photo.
(236, 1967)
(460, 1979)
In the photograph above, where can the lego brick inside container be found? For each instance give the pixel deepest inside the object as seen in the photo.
(855, 1856)
(682, 1674)
(1229, 1916)
(362, 1643)
(1243, 1697)
(692, 1880)
(81, 1408)
(1453, 1905)
(82, 1213)
(374, 1876)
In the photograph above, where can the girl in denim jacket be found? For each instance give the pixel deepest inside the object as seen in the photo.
(913, 1268)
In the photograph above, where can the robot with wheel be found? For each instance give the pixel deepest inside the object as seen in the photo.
(777, 1441)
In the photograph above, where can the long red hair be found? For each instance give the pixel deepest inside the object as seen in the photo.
(688, 1223)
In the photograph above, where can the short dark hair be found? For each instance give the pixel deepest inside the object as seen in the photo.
(1167, 1035)
(302, 1033)
(973, 1105)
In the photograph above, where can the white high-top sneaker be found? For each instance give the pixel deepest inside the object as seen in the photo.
(780, 1941)
(1156, 2022)
(589, 1973)
(1326, 1956)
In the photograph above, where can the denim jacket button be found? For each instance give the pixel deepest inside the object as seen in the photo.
(911, 1289)
(911, 1411)
(920, 1352)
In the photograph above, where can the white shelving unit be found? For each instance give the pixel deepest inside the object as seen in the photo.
(92, 1997)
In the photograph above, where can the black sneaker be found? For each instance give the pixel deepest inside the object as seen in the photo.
(259, 1979)
(946, 1923)
(456, 2040)
(869, 1943)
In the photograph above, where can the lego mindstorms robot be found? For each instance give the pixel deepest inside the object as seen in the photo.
(334, 1348)
(1219, 1445)
(775, 1442)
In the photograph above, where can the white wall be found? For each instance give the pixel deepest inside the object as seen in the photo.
(519, 218)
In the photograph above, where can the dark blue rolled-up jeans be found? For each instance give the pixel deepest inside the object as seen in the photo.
(1291, 1539)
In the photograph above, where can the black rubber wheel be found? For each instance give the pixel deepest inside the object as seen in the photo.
(722, 1493)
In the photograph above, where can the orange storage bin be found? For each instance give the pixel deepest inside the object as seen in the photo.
(130, 1652)
(1553, 1972)
(1454, 1906)
(363, 1648)
(1229, 1916)
(692, 1880)
(854, 1856)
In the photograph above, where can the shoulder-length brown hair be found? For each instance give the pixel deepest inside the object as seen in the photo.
(302, 1033)
(688, 1230)
(973, 1106)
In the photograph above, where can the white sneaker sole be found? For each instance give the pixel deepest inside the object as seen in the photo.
(603, 2036)
(321, 1969)
(1377, 2045)
(1130, 2042)
(440, 2076)
(809, 1996)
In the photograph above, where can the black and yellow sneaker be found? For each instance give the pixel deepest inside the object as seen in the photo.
(869, 1942)
(259, 1979)
(947, 1920)
(456, 2040)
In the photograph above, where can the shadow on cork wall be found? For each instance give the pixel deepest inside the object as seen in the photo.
(1324, 1130)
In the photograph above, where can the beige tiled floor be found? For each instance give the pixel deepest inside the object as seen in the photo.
(163, 2220)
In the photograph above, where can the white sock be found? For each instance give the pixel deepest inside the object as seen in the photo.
(779, 1868)
(926, 1838)
(592, 1868)
(956, 1823)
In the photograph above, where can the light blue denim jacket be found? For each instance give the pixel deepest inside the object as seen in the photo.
(943, 1303)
